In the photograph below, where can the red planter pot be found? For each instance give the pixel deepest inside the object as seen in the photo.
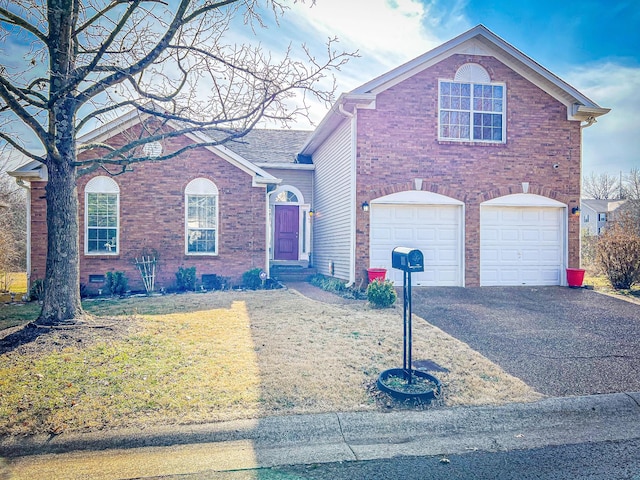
(575, 277)
(377, 274)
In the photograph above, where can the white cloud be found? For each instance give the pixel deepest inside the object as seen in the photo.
(386, 33)
(613, 143)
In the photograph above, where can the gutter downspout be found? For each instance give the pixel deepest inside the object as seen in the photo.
(22, 184)
(352, 235)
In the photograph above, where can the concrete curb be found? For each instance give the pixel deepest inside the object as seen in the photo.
(346, 436)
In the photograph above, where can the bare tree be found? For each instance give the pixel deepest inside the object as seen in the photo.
(600, 187)
(89, 58)
(631, 188)
(13, 230)
(631, 184)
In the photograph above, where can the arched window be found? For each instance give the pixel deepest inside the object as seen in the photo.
(102, 212)
(286, 196)
(201, 217)
(471, 107)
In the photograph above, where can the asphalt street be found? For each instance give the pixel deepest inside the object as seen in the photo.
(560, 341)
(586, 461)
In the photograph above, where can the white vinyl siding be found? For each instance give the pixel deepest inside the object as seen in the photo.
(301, 179)
(333, 204)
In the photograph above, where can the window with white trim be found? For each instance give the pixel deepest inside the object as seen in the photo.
(471, 108)
(201, 217)
(102, 212)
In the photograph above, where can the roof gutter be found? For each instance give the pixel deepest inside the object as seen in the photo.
(588, 115)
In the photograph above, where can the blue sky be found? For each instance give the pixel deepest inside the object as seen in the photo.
(592, 44)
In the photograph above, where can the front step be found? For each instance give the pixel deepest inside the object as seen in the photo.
(292, 273)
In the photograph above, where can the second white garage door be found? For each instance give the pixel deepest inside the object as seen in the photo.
(522, 244)
(435, 229)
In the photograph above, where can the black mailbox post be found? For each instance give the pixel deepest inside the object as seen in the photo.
(408, 260)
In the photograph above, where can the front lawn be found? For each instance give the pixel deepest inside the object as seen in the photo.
(601, 283)
(209, 357)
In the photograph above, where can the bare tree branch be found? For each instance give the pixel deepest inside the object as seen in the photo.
(600, 187)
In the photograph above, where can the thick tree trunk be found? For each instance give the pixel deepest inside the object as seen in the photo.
(62, 279)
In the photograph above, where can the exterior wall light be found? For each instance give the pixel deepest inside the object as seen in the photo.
(365, 206)
(575, 211)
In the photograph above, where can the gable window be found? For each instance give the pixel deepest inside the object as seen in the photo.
(471, 108)
(201, 217)
(102, 225)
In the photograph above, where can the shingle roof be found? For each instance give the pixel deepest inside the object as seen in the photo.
(266, 146)
(602, 206)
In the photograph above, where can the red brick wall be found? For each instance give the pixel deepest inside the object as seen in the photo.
(398, 141)
(152, 215)
(38, 231)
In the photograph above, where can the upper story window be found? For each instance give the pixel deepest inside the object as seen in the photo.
(201, 217)
(471, 108)
(585, 218)
(102, 225)
(602, 217)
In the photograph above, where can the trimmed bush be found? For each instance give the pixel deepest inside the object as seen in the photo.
(186, 279)
(618, 253)
(116, 283)
(328, 284)
(251, 279)
(36, 292)
(381, 293)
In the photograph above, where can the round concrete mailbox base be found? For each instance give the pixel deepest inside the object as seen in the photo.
(424, 387)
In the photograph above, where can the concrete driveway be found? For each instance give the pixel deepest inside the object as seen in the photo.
(558, 340)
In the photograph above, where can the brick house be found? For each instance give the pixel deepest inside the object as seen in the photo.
(209, 207)
(470, 152)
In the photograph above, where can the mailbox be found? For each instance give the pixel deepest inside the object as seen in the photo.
(407, 259)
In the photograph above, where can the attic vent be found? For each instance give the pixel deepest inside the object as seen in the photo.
(152, 150)
(472, 73)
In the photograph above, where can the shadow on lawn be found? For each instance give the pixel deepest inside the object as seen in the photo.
(22, 336)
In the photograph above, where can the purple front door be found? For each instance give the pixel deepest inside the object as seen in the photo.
(286, 232)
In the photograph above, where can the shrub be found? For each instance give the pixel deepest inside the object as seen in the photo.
(36, 292)
(618, 252)
(251, 279)
(214, 282)
(328, 284)
(116, 283)
(186, 279)
(381, 293)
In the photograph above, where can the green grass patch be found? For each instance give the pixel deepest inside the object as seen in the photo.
(601, 283)
(177, 368)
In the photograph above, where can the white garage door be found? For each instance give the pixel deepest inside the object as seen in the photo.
(433, 229)
(521, 245)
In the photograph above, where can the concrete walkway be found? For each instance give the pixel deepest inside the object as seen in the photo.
(330, 437)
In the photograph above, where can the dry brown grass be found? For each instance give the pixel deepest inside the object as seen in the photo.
(227, 355)
(319, 358)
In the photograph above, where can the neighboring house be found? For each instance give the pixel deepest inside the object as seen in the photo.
(595, 214)
(470, 152)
